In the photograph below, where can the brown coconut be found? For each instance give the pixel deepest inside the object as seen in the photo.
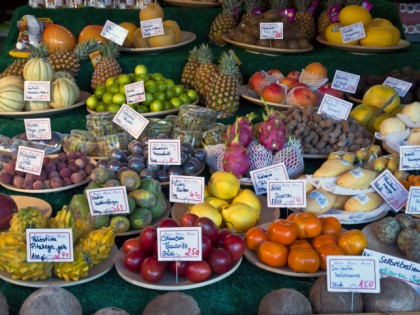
(324, 302)
(285, 302)
(172, 303)
(111, 311)
(395, 296)
(4, 307)
(51, 300)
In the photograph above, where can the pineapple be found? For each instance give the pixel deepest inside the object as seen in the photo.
(68, 60)
(15, 69)
(279, 4)
(223, 22)
(205, 70)
(26, 218)
(249, 6)
(98, 244)
(223, 95)
(324, 18)
(304, 19)
(108, 66)
(190, 68)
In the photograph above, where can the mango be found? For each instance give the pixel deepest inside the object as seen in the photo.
(247, 196)
(204, 209)
(363, 202)
(333, 167)
(359, 178)
(339, 202)
(319, 201)
(239, 217)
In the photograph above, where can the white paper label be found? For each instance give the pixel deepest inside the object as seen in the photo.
(29, 160)
(353, 274)
(352, 32)
(37, 91)
(319, 198)
(180, 243)
(108, 200)
(400, 86)
(260, 176)
(130, 120)
(164, 151)
(409, 157)
(357, 172)
(186, 189)
(134, 92)
(153, 27)
(38, 128)
(413, 202)
(49, 245)
(345, 81)
(391, 266)
(286, 193)
(114, 32)
(363, 199)
(391, 190)
(335, 107)
(271, 30)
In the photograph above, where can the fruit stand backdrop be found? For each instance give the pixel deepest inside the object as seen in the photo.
(241, 292)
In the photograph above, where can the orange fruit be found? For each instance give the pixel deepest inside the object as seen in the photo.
(272, 254)
(58, 38)
(303, 260)
(308, 224)
(131, 28)
(282, 231)
(323, 239)
(91, 32)
(330, 225)
(353, 242)
(254, 237)
(151, 11)
(316, 68)
(328, 250)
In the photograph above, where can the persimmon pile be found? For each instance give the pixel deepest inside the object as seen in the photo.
(303, 241)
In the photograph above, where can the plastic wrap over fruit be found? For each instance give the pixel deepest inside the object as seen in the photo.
(30, 32)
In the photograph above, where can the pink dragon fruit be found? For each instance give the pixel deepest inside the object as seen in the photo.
(242, 126)
(259, 155)
(292, 158)
(272, 132)
(236, 158)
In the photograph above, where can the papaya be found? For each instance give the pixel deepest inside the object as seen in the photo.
(143, 198)
(159, 208)
(151, 185)
(79, 205)
(101, 175)
(130, 179)
(363, 202)
(140, 218)
(120, 223)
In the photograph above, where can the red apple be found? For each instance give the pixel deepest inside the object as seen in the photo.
(327, 89)
(288, 82)
(302, 96)
(7, 208)
(294, 74)
(257, 82)
(274, 93)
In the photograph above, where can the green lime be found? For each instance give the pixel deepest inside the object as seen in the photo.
(100, 91)
(132, 77)
(169, 94)
(149, 99)
(167, 105)
(193, 95)
(159, 96)
(150, 86)
(101, 107)
(176, 102)
(157, 76)
(92, 101)
(123, 79)
(140, 69)
(107, 99)
(113, 108)
(122, 89)
(179, 89)
(133, 106)
(161, 86)
(185, 98)
(156, 106)
(110, 80)
(113, 88)
(143, 109)
(141, 77)
(169, 83)
(118, 98)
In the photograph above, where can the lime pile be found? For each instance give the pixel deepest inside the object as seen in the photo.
(161, 93)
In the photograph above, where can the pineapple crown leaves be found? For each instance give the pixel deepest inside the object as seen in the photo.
(40, 51)
(205, 54)
(193, 54)
(280, 4)
(109, 49)
(302, 5)
(228, 64)
(85, 48)
(250, 5)
(231, 6)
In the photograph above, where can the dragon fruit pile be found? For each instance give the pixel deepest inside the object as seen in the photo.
(247, 148)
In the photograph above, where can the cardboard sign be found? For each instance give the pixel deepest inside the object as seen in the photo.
(134, 92)
(335, 107)
(390, 189)
(37, 91)
(49, 245)
(114, 32)
(181, 243)
(400, 86)
(108, 200)
(413, 201)
(391, 266)
(29, 160)
(409, 157)
(352, 32)
(38, 128)
(345, 81)
(130, 120)
(353, 274)
(186, 189)
(286, 193)
(164, 151)
(271, 30)
(153, 27)
(261, 176)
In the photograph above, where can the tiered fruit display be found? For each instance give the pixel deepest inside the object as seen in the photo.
(91, 246)
(303, 241)
(161, 93)
(221, 251)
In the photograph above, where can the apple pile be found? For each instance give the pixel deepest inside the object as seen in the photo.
(301, 88)
(221, 250)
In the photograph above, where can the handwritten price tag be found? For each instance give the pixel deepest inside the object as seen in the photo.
(335, 107)
(38, 128)
(413, 202)
(345, 81)
(400, 86)
(134, 92)
(108, 200)
(187, 189)
(261, 176)
(183, 243)
(114, 32)
(353, 274)
(153, 27)
(163, 151)
(271, 30)
(52, 245)
(29, 160)
(130, 120)
(286, 193)
(409, 157)
(352, 32)
(390, 189)
(37, 91)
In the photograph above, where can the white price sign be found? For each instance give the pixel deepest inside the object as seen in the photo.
(335, 107)
(390, 189)
(409, 157)
(108, 200)
(134, 92)
(413, 202)
(114, 32)
(49, 245)
(130, 120)
(186, 189)
(286, 193)
(271, 30)
(29, 160)
(38, 128)
(352, 32)
(153, 27)
(345, 81)
(181, 243)
(37, 91)
(261, 176)
(400, 86)
(164, 151)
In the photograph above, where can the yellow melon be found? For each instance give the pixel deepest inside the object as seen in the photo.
(168, 38)
(150, 12)
(353, 14)
(138, 40)
(131, 28)
(381, 36)
(175, 27)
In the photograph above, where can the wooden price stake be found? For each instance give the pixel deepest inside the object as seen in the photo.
(108, 200)
(49, 245)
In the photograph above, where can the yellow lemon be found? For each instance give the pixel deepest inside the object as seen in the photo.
(353, 14)
(332, 34)
(378, 95)
(204, 209)
(239, 217)
(378, 36)
(247, 196)
(363, 113)
(219, 204)
(131, 28)
(223, 185)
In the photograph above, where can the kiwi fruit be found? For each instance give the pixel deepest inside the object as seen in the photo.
(271, 14)
(292, 44)
(373, 79)
(303, 43)
(407, 70)
(263, 43)
(252, 30)
(246, 39)
(279, 43)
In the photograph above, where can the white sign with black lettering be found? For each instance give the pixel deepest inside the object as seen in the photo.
(164, 151)
(352, 32)
(186, 189)
(38, 128)
(345, 81)
(37, 91)
(286, 193)
(134, 92)
(400, 86)
(390, 189)
(49, 245)
(409, 157)
(130, 120)
(108, 200)
(180, 243)
(114, 32)
(261, 176)
(29, 160)
(335, 107)
(153, 27)
(413, 201)
(271, 30)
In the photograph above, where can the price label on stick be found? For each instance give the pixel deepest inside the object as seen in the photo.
(38, 128)
(286, 193)
(261, 176)
(130, 120)
(134, 92)
(409, 157)
(271, 30)
(353, 274)
(413, 202)
(352, 32)
(400, 86)
(345, 81)
(49, 245)
(335, 107)
(153, 27)
(114, 32)
(164, 151)
(390, 189)
(37, 91)
(181, 243)
(186, 189)
(108, 200)
(29, 160)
